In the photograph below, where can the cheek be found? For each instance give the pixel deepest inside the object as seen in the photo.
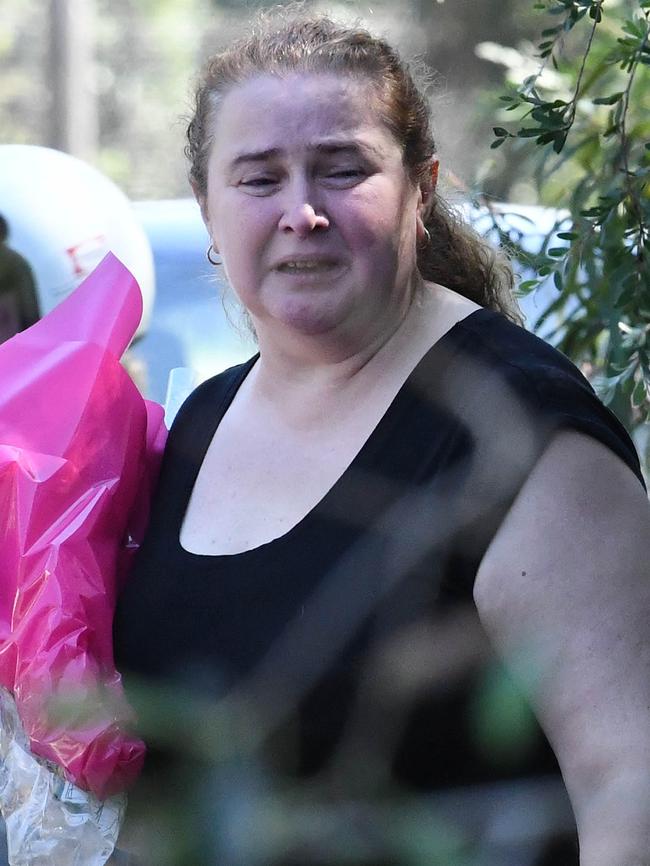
(375, 242)
(241, 229)
(372, 216)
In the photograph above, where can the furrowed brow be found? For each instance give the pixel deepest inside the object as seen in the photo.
(334, 147)
(255, 156)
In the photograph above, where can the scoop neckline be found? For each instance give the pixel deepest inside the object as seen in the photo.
(370, 445)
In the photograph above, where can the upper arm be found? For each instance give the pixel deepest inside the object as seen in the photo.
(564, 592)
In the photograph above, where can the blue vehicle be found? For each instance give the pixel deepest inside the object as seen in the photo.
(189, 326)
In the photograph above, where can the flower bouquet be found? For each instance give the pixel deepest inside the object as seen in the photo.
(79, 454)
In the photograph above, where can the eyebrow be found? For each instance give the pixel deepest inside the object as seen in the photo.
(326, 147)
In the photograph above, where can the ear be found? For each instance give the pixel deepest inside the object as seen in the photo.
(435, 165)
(428, 185)
(426, 191)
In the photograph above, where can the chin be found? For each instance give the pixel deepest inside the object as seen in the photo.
(310, 325)
(308, 318)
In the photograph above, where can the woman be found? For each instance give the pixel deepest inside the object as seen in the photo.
(327, 509)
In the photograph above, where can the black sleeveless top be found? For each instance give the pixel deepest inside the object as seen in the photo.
(350, 640)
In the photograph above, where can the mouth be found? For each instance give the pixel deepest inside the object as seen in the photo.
(312, 271)
(305, 267)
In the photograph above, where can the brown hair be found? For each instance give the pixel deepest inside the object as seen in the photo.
(291, 39)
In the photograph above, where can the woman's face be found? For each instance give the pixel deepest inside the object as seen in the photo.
(310, 207)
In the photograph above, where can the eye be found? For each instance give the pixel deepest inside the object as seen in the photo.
(257, 181)
(346, 174)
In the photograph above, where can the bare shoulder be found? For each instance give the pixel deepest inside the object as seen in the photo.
(444, 308)
(564, 593)
(451, 302)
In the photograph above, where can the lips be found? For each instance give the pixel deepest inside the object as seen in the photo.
(305, 269)
(306, 264)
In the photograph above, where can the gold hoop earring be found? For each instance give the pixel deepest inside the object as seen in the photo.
(426, 240)
(209, 253)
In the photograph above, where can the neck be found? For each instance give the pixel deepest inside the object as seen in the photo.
(330, 361)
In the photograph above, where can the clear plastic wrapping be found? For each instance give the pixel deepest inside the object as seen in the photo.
(49, 820)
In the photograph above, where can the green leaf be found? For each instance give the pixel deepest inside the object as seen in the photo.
(497, 143)
(558, 281)
(596, 13)
(607, 386)
(628, 295)
(618, 113)
(569, 236)
(557, 252)
(608, 100)
(634, 28)
(639, 394)
(542, 115)
(500, 132)
(559, 142)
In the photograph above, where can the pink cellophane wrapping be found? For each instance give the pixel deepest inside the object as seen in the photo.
(79, 453)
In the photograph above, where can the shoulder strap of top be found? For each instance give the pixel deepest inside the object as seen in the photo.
(555, 389)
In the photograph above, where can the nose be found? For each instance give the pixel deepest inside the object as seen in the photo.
(301, 213)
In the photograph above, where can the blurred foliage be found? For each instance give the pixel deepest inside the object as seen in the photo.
(146, 53)
(586, 107)
(212, 795)
(24, 102)
(503, 722)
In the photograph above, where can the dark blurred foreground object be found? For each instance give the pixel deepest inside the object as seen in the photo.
(18, 301)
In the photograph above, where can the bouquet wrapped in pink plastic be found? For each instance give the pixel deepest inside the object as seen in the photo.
(79, 453)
